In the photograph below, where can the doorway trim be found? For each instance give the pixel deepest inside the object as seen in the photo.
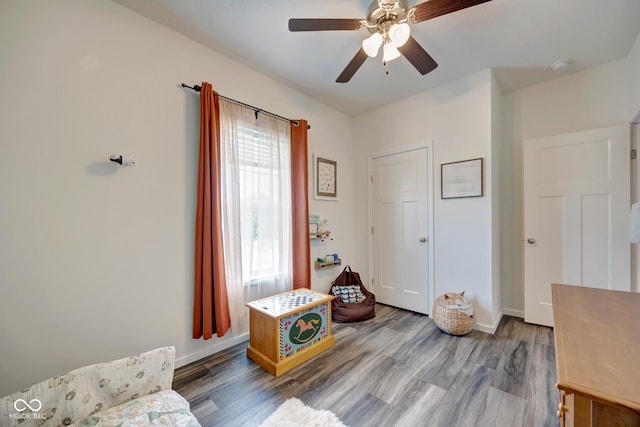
(430, 213)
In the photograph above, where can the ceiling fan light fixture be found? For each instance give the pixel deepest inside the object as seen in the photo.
(399, 34)
(391, 52)
(372, 44)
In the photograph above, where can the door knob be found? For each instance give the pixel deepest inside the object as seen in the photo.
(423, 239)
(531, 240)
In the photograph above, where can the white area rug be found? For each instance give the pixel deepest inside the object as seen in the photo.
(294, 413)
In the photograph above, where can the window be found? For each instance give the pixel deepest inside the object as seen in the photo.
(256, 185)
(261, 205)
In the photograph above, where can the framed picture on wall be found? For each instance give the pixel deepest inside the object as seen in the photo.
(462, 179)
(325, 178)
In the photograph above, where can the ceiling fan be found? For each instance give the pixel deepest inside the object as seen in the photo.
(388, 22)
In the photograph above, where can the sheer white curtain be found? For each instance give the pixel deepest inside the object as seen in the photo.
(256, 207)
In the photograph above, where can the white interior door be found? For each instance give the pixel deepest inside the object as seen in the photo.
(576, 212)
(400, 246)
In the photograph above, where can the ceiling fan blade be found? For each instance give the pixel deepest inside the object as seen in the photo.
(434, 8)
(352, 66)
(324, 24)
(418, 57)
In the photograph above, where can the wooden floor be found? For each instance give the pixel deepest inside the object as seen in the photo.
(397, 369)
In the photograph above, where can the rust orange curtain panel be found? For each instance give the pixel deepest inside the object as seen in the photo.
(300, 206)
(210, 306)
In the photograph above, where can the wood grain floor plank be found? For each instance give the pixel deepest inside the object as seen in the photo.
(542, 392)
(417, 406)
(506, 326)
(514, 366)
(464, 403)
(443, 369)
(511, 372)
(328, 389)
(342, 400)
(503, 410)
(205, 411)
(395, 382)
(544, 335)
(397, 369)
(363, 411)
(488, 349)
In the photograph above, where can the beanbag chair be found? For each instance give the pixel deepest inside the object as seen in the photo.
(352, 302)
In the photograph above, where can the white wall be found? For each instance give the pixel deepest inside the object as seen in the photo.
(457, 118)
(633, 77)
(96, 261)
(590, 99)
(497, 162)
(339, 219)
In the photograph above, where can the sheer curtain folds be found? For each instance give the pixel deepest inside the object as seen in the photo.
(252, 229)
(256, 206)
(211, 309)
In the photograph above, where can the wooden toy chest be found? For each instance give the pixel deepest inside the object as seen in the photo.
(287, 329)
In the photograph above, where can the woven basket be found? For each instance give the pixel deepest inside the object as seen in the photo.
(451, 320)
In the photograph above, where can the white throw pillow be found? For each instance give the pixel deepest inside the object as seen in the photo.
(349, 294)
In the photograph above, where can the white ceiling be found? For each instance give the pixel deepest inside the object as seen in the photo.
(519, 39)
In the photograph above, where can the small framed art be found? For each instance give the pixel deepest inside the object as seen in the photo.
(325, 178)
(462, 179)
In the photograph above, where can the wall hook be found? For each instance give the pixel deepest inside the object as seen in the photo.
(122, 160)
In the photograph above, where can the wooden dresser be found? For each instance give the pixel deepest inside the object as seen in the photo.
(597, 342)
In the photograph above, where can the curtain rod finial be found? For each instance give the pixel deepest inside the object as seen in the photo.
(197, 88)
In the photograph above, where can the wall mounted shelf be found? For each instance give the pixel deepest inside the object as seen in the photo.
(320, 237)
(328, 264)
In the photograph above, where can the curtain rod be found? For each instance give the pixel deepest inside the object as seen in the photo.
(257, 110)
